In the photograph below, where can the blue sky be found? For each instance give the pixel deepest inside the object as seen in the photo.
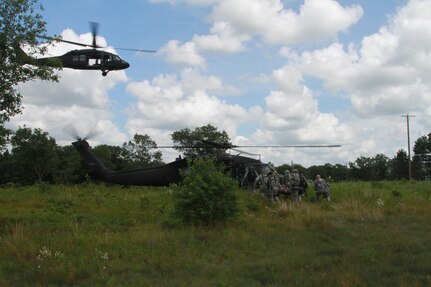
(266, 71)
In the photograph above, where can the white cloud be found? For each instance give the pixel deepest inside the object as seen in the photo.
(236, 21)
(190, 2)
(182, 54)
(170, 103)
(388, 74)
(223, 39)
(55, 120)
(277, 25)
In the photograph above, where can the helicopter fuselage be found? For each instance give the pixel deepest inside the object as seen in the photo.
(88, 59)
(161, 175)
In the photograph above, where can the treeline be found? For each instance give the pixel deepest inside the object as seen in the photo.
(379, 167)
(31, 155)
(28, 156)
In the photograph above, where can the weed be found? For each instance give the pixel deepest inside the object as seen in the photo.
(396, 193)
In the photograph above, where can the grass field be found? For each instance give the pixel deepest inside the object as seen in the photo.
(371, 234)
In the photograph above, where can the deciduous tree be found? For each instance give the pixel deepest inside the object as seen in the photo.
(400, 165)
(34, 155)
(198, 142)
(20, 24)
(139, 151)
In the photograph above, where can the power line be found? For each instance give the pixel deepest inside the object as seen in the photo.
(407, 116)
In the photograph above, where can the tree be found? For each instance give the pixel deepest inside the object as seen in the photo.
(34, 156)
(362, 168)
(186, 140)
(400, 165)
(422, 157)
(380, 167)
(111, 156)
(19, 24)
(207, 196)
(370, 168)
(138, 152)
(69, 168)
(4, 137)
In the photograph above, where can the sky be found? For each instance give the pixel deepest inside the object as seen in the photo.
(268, 72)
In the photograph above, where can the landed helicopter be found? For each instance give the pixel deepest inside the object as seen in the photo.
(164, 175)
(84, 59)
(154, 176)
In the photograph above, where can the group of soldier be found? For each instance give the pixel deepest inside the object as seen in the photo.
(291, 184)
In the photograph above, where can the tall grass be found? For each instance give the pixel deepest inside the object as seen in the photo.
(371, 234)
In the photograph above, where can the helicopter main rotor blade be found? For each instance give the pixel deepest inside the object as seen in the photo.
(94, 30)
(97, 46)
(246, 152)
(66, 41)
(136, 50)
(220, 146)
(286, 146)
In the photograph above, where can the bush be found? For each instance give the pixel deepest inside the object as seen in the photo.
(206, 196)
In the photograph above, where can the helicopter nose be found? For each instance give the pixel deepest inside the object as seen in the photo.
(126, 65)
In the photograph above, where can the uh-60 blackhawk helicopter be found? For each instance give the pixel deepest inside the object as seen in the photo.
(237, 165)
(95, 58)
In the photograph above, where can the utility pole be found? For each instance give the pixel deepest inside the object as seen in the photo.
(407, 116)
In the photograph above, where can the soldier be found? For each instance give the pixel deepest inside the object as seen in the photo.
(249, 178)
(299, 186)
(321, 187)
(261, 182)
(269, 183)
(287, 179)
(274, 185)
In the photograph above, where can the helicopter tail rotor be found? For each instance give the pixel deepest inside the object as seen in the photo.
(72, 131)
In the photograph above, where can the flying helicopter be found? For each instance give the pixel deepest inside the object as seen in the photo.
(169, 173)
(95, 58)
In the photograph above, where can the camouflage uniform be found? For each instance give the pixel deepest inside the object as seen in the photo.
(299, 186)
(273, 185)
(269, 184)
(249, 178)
(287, 180)
(321, 187)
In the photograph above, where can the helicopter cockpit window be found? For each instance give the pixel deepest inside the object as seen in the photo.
(116, 58)
(107, 58)
(82, 58)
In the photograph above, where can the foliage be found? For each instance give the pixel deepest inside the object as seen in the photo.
(20, 23)
(400, 165)
(4, 137)
(34, 155)
(206, 196)
(138, 152)
(370, 168)
(186, 140)
(422, 158)
(111, 156)
(68, 169)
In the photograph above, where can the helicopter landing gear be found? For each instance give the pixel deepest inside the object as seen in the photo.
(104, 73)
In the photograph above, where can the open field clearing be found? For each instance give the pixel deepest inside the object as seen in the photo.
(371, 234)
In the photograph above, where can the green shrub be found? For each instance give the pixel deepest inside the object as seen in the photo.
(207, 196)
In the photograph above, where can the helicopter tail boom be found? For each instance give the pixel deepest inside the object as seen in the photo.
(97, 169)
